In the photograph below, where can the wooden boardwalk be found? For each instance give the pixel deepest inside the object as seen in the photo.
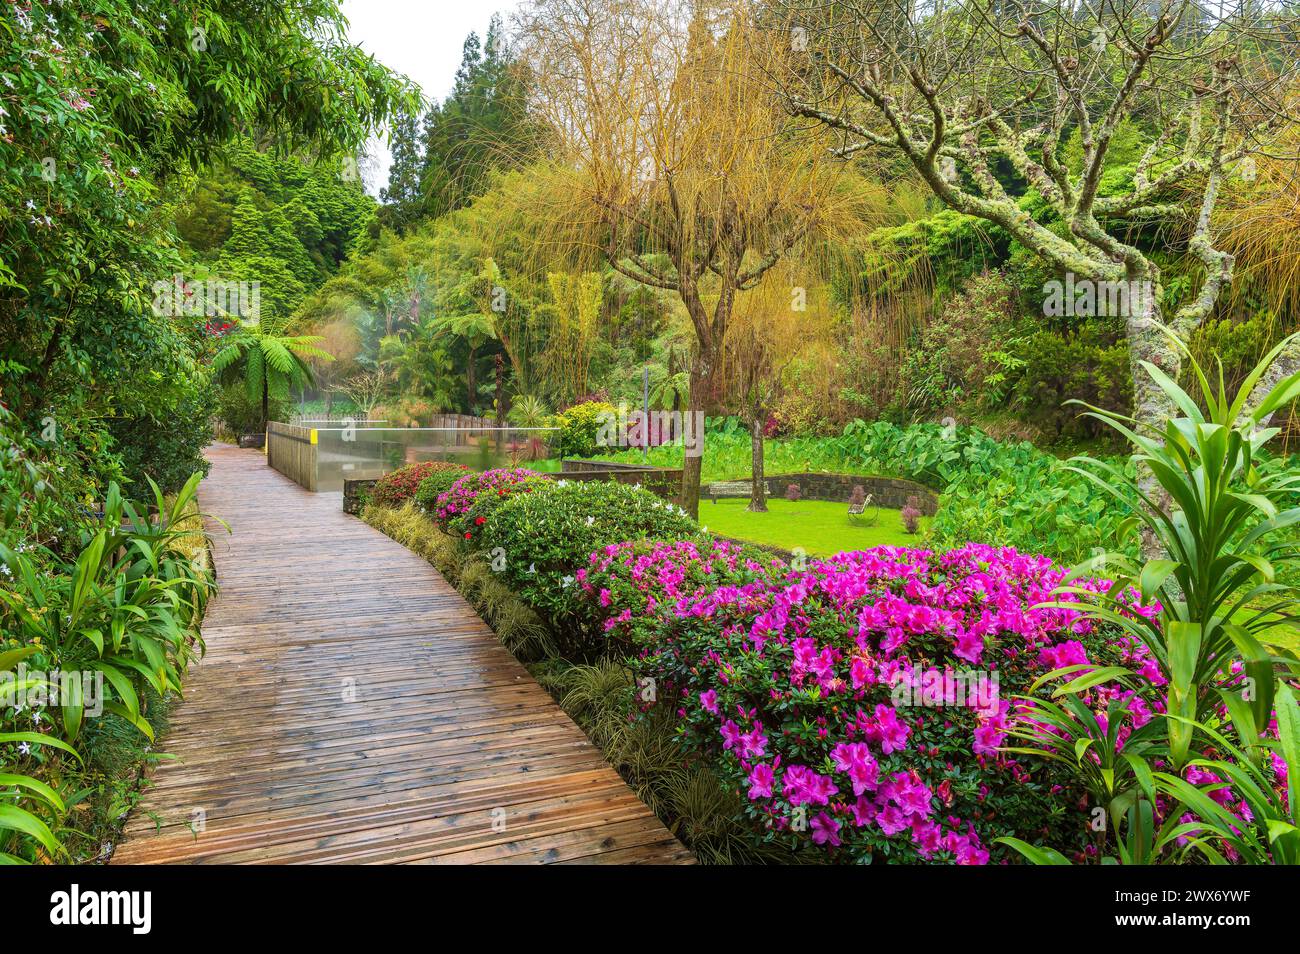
(352, 708)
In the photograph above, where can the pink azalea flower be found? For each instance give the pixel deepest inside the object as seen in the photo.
(825, 830)
(760, 781)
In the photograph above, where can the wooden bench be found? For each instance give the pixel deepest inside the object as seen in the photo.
(730, 489)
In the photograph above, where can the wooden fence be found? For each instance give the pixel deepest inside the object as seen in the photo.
(289, 449)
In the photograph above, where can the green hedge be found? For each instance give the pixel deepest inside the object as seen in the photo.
(438, 482)
(539, 540)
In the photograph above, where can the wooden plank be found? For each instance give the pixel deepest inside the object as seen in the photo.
(352, 708)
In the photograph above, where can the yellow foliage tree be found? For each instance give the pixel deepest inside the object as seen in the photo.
(675, 160)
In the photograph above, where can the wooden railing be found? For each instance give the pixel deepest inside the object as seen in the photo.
(289, 449)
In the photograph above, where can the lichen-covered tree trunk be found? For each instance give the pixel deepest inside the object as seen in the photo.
(1149, 341)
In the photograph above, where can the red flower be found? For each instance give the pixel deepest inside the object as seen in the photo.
(479, 521)
(468, 534)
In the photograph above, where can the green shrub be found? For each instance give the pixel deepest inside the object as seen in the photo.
(539, 541)
(580, 428)
(242, 415)
(488, 501)
(1089, 363)
(438, 482)
(399, 487)
(122, 604)
(166, 446)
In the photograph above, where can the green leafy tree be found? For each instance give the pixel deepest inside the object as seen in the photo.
(269, 363)
(404, 194)
(106, 112)
(482, 126)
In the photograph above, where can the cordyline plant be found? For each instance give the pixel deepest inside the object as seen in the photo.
(1270, 833)
(1222, 534)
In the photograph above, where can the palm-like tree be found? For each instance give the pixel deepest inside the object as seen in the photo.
(476, 328)
(269, 363)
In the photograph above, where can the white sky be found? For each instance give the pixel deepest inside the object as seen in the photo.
(421, 38)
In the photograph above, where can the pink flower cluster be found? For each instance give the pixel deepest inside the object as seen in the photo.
(633, 585)
(794, 678)
(457, 499)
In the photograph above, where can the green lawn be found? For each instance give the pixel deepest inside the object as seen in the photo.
(821, 527)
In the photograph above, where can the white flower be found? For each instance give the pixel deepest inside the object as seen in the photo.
(704, 529)
(590, 521)
(25, 748)
(532, 568)
(567, 581)
(36, 718)
(29, 204)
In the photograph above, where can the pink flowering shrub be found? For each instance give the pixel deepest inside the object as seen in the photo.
(629, 587)
(853, 703)
(395, 489)
(456, 501)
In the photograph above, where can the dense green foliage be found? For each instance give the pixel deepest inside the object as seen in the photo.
(107, 111)
(401, 486)
(280, 221)
(545, 536)
(101, 621)
(104, 112)
(434, 484)
(580, 430)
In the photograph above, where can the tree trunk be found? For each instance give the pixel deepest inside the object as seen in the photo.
(1149, 341)
(692, 466)
(471, 383)
(758, 492)
(266, 402)
(500, 401)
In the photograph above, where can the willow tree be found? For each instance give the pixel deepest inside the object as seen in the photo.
(772, 326)
(571, 318)
(1008, 110)
(675, 159)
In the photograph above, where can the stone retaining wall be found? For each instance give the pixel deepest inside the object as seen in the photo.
(352, 493)
(666, 482)
(887, 492)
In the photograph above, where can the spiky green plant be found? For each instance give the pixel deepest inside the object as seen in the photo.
(1221, 523)
(1271, 832)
